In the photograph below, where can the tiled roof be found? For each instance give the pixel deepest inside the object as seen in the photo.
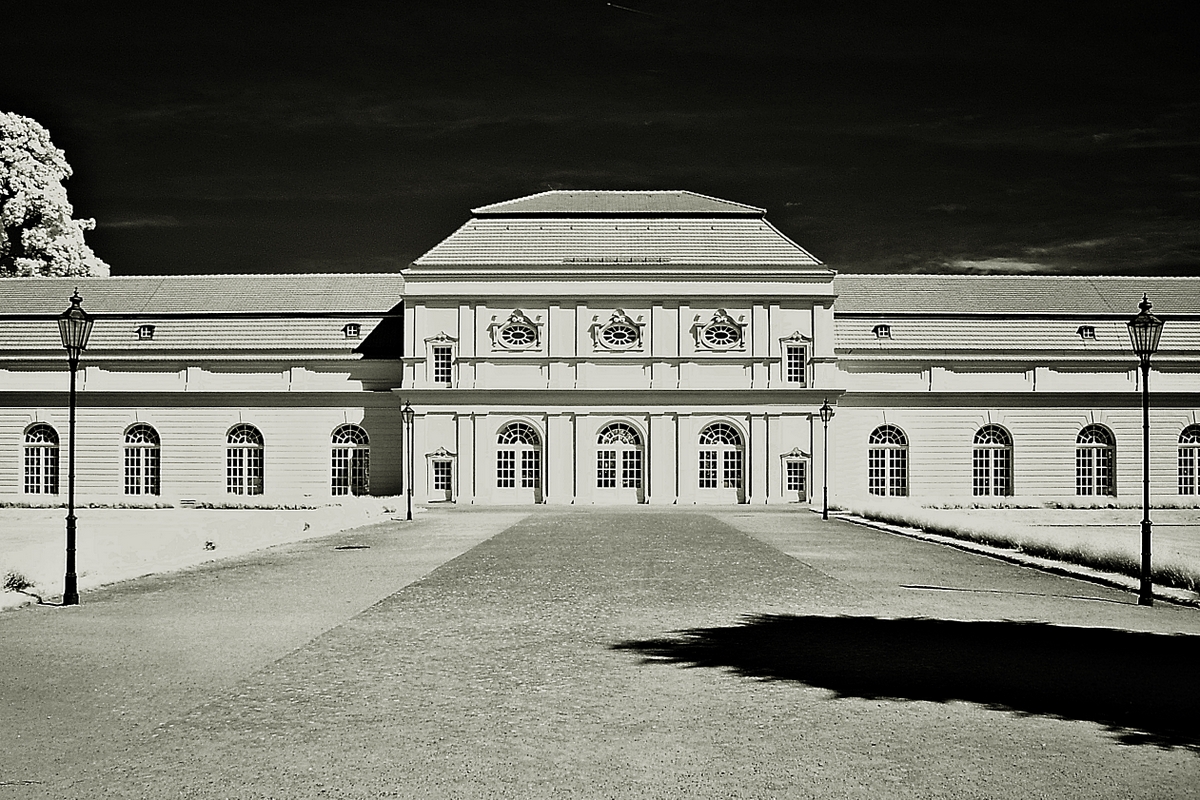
(215, 337)
(198, 294)
(619, 202)
(595, 241)
(920, 334)
(1012, 294)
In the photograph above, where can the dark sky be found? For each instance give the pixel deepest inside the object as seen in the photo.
(890, 136)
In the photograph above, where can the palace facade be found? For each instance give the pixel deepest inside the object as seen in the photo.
(599, 348)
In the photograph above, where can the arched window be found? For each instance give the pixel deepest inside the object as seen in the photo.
(721, 460)
(519, 443)
(887, 462)
(141, 460)
(351, 461)
(1189, 455)
(244, 460)
(41, 460)
(991, 464)
(1094, 459)
(619, 457)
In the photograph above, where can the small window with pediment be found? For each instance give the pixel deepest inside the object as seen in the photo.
(145, 332)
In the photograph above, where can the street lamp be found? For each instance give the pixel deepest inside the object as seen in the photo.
(407, 415)
(1144, 330)
(826, 412)
(74, 326)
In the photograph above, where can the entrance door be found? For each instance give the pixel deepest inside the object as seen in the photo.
(620, 466)
(721, 465)
(518, 464)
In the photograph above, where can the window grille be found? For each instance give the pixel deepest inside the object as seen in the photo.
(145, 332)
(794, 371)
(708, 469)
(244, 460)
(351, 456)
(1189, 455)
(352, 330)
(142, 448)
(887, 462)
(1087, 332)
(519, 433)
(1094, 458)
(882, 331)
(442, 361)
(506, 468)
(796, 478)
(531, 469)
(606, 469)
(631, 469)
(41, 460)
(991, 462)
(442, 476)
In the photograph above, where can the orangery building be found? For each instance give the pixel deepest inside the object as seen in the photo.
(658, 347)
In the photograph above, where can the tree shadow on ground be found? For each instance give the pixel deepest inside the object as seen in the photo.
(1144, 687)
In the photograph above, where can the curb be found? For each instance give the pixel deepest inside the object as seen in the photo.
(1181, 597)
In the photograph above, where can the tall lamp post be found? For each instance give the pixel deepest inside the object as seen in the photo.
(1144, 331)
(826, 413)
(74, 326)
(407, 415)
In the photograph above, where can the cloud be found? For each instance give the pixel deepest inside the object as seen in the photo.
(148, 221)
(1000, 265)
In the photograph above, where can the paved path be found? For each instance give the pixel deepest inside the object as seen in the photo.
(646, 653)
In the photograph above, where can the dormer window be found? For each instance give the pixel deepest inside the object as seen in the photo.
(518, 332)
(1087, 332)
(145, 332)
(882, 331)
(352, 330)
(620, 332)
(722, 332)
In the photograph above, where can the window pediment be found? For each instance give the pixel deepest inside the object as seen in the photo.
(619, 333)
(518, 332)
(720, 333)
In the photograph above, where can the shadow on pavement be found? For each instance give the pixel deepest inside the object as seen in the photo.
(1142, 686)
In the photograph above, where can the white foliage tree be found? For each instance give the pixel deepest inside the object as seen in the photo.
(38, 236)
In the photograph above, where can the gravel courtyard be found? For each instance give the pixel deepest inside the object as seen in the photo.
(648, 653)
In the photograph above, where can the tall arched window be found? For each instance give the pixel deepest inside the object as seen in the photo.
(351, 461)
(619, 458)
(519, 460)
(991, 464)
(244, 460)
(1094, 459)
(141, 460)
(1189, 455)
(887, 462)
(41, 459)
(721, 459)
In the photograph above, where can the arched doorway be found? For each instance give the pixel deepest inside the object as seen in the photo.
(518, 464)
(721, 465)
(619, 465)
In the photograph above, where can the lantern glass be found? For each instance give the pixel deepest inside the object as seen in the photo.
(826, 412)
(75, 326)
(1145, 330)
(407, 414)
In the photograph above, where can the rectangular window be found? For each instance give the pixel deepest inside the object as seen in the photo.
(244, 470)
(1187, 470)
(441, 476)
(796, 478)
(41, 470)
(733, 469)
(631, 469)
(506, 469)
(141, 470)
(794, 368)
(606, 469)
(442, 363)
(531, 469)
(708, 469)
